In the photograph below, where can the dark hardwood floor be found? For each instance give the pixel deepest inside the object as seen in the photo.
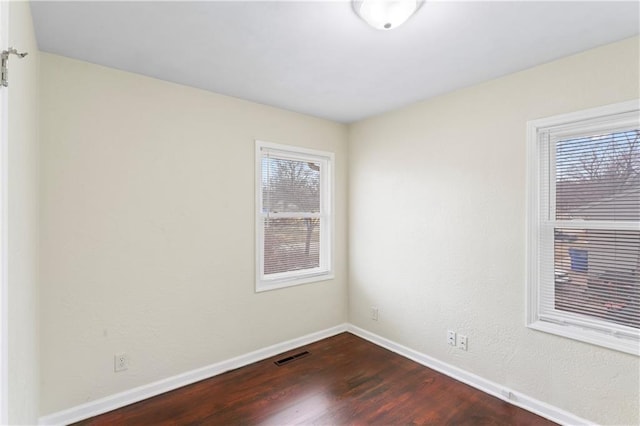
(344, 380)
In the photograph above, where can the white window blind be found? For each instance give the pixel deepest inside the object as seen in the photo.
(294, 215)
(584, 227)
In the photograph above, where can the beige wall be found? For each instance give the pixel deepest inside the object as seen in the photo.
(437, 232)
(147, 225)
(22, 220)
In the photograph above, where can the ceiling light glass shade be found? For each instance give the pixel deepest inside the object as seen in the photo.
(385, 14)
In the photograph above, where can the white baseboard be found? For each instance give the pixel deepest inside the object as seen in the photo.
(533, 405)
(140, 393)
(131, 396)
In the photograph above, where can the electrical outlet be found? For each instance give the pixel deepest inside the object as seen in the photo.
(120, 362)
(374, 313)
(462, 342)
(451, 338)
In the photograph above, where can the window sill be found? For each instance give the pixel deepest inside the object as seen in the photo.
(274, 284)
(594, 337)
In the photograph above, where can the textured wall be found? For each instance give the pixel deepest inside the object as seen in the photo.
(147, 224)
(437, 232)
(22, 220)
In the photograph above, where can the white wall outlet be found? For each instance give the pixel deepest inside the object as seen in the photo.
(120, 362)
(451, 338)
(374, 313)
(462, 342)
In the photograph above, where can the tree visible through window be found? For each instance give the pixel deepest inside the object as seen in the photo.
(291, 243)
(596, 270)
(584, 226)
(294, 215)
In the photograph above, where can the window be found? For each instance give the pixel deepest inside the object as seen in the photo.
(294, 215)
(584, 226)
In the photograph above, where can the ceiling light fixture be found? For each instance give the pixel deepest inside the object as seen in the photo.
(386, 14)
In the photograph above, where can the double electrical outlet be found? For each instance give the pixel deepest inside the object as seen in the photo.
(374, 313)
(120, 362)
(458, 340)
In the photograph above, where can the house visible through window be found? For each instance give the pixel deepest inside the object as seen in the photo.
(584, 226)
(294, 220)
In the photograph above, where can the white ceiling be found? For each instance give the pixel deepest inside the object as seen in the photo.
(318, 57)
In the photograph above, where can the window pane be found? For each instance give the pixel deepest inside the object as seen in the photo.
(291, 245)
(598, 177)
(290, 185)
(596, 274)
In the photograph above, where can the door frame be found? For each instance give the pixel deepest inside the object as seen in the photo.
(4, 149)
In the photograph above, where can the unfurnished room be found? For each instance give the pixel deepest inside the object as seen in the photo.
(353, 212)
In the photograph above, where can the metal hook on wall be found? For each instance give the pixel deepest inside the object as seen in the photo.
(4, 78)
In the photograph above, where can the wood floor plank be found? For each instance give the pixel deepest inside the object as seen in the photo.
(344, 381)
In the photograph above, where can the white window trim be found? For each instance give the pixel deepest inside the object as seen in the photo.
(327, 185)
(589, 331)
